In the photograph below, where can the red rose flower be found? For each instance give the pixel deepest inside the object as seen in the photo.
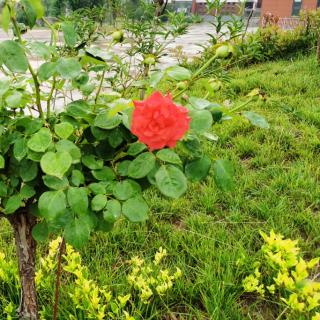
(158, 122)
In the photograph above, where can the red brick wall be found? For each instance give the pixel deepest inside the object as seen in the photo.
(280, 8)
(201, 8)
(231, 8)
(309, 4)
(283, 8)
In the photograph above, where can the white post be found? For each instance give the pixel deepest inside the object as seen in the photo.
(255, 3)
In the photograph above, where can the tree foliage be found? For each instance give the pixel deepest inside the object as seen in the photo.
(56, 8)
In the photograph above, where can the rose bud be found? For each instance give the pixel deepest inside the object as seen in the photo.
(182, 85)
(117, 36)
(224, 51)
(215, 84)
(149, 59)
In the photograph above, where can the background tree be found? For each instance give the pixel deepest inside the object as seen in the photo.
(318, 50)
(56, 8)
(77, 4)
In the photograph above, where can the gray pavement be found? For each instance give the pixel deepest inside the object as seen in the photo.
(188, 44)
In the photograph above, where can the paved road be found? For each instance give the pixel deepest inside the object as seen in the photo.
(190, 43)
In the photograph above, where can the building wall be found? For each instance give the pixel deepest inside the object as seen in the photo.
(283, 8)
(201, 8)
(280, 8)
(309, 4)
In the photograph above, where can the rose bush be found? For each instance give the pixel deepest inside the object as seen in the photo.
(80, 168)
(159, 122)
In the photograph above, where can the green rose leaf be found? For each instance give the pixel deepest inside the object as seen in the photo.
(40, 141)
(5, 18)
(38, 8)
(47, 70)
(201, 104)
(56, 164)
(104, 174)
(97, 188)
(112, 212)
(13, 204)
(210, 136)
(13, 56)
(141, 166)
(155, 78)
(136, 148)
(179, 73)
(4, 86)
(71, 148)
(152, 174)
(68, 68)
(20, 149)
(51, 204)
(64, 130)
(217, 114)
(198, 169)
(28, 170)
(2, 162)
(87, 88)
(126, 189)
(80, 110)
(78, 200)
(122, 168)
(127, 118)
(256, 119)
(77, 232)
(201, 120)
(41, 50)
(171, 181)
(77, 178)
(100, 134)
(104, 121)
(14, 99)
(27, 192)
(40, 232)
(55, 183)
(91, 162)
(30, 125)
(135, 209)
(34, 156)
(60, 221)
(82, 79)
(3, 189)
(115, 138)
(98, 202)
(223, 175)
(169, 156)
(98, 55)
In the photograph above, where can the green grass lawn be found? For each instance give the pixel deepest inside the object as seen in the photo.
(213, 236)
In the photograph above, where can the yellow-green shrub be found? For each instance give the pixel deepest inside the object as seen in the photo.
(84, 297)
(284, 277)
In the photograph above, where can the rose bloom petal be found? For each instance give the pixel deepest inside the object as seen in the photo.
(158, 122)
